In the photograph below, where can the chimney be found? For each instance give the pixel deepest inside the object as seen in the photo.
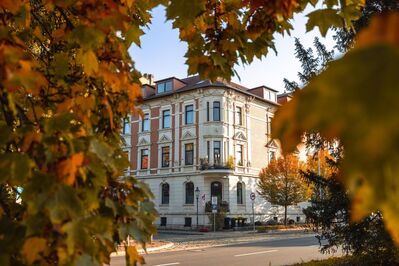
(147, 79)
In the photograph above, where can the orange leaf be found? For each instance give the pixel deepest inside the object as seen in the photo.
(66, 170)
(32, 247)
(29, 138)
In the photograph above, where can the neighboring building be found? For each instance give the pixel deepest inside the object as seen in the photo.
(214, 136)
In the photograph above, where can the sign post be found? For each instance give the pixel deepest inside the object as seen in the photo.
(252, 197)
(214, 201)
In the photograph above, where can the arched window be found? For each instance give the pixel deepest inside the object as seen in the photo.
(216, 190)
(165, 193)
(189, 193)
(240, 193)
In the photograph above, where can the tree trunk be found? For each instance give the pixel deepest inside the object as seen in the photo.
(285, 214)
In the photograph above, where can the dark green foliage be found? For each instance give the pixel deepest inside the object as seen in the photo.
(330, 214)
(345, 37)
(312, 63)
(330, 210)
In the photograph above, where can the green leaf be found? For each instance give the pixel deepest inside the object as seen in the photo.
(5, 133)
(15, 168)
(87, 37)
(89, 61)
(60, 65)
(324, 19)
(64, 204)
(133, 35)
(185, 11)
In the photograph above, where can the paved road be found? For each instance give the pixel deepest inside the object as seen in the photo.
(269, 252)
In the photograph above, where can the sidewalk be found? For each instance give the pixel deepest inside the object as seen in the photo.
(214, 239)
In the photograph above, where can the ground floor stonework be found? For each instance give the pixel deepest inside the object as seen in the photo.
(181, 199)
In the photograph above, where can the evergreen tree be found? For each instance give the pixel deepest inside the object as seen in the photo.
(330, 211)
(312, 63)
(344, 38)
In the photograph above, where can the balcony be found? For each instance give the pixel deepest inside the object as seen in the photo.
(216, 168)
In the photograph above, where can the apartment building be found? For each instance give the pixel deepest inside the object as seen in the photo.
(199, 139)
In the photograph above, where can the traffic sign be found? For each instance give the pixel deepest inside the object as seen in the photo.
(252, 196)
(214, 200)
(214, 211)
(214, 206)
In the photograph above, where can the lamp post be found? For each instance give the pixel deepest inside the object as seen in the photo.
(197, 194)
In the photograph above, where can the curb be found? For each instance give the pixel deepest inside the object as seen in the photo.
(142, 251)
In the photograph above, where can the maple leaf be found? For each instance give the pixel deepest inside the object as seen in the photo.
(67, 169)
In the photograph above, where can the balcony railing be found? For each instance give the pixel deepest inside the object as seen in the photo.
(205, 165)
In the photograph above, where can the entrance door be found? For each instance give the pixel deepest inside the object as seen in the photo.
(216, 190)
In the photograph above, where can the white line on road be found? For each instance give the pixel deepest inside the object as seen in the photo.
(166, 264)
(256, 253)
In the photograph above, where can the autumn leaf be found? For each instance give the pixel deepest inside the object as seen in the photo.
(352, 101)
(89, 61)
(32, 247)
(67, 169)
(133, 257)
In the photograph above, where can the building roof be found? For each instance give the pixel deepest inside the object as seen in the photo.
(195, 82)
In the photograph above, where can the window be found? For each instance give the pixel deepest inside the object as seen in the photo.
(126, 126)
(145, 124)
(144, 159)
(238, 116)
(166, 119)
(164, 86)
(187, 221)
(189, 154)
(189, 119)
(239, 193)
(207, 111)
(216, 190)
(164, 221)
(272, 155)
(143, 91)
(269, 125)
(189, 193)
(165, 156)
(239, 155)
(208, 151)
(216, 111)
(165, 193)
(216, 152)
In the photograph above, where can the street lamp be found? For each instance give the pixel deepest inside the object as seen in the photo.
(197, 194)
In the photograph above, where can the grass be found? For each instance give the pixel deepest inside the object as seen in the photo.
(344, 261)
(279, 226)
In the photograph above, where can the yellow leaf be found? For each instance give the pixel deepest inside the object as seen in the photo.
(32, 247)
(89, 61)
(361, 204)
(133, 256)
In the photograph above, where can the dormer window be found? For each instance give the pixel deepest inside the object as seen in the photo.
(164, 86)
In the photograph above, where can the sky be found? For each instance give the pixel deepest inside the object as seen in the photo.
(162, 53)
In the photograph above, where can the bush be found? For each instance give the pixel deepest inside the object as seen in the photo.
(222, 208)
(271, 222)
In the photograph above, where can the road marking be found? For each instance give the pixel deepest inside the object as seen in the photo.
(166, 264)
(256, 253)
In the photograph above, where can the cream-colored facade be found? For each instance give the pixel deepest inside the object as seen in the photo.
(211, 137)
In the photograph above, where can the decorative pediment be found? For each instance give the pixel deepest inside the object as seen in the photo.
(272, 144)
(240, 136)
(188, 135)
(143, 142)
(164, 138)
